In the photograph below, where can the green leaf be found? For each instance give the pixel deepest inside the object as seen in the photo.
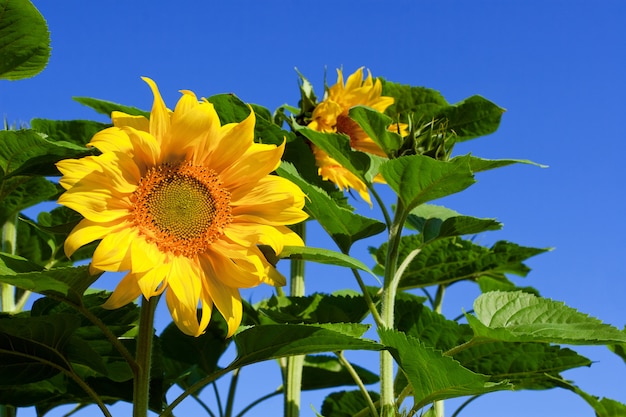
(24, 40)
(524, 365)
(346, 403)
(432, 375)
(523, 317)
(473, 117)
(337, 145)
(13, 265)
(480, 164)
(422, 101)
(321, 371)
(323, 256)
(21, 192)
(78, 132)
(107, 107)
(344, 226)
(604, 407)
(489, 283)
(27, 152)
(418, 179)
(454, 259)
(31, 349)
(437, 222)
(66, 284)
(376, 125)
(272, 341)
(315, 308)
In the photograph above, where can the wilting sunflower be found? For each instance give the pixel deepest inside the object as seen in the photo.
(331, 115)
(181, 203)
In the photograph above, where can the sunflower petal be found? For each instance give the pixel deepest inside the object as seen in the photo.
(228, 302)
(160, 115)
(126, 120)
(126, 291)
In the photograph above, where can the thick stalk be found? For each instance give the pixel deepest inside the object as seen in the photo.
(293, 374)
(7, 292)
(9, 242)
(390, 286)
(143, 357)
(438, 406)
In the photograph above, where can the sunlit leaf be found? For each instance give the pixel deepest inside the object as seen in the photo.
(78, 132)
(107, 107)
(418, 179)
(432, 375)
(422, 101)
(323, 256)
(24, 40)
(480, 164)
(473, 117)
(523, 317)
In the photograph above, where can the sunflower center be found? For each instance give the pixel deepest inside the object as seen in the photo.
(181, 208)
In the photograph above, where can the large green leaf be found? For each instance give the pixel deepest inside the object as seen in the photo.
(376, 125)
(473, 117)
(27, 152)
(454, 259)
(272, 341)
(20, 192)
(31, 349)
(432, 375)
(525, 365)
(78, 132)
(421, 101)
(438, 221)
(523, 317)
(323, 256)
(479, 164)
(418, 179)
(24, 40)
(315, 308)
(344, 226)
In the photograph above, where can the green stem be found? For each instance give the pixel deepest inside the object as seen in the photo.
(143, 356)
(230, 401)
(390, 286)
(381, 204)
(438, 406)
(368, 300)
(258, 401)
(359, 383)
(293, 374)
(9, 243)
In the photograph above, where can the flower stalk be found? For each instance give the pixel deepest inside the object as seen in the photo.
(143, 356)
(293, 371)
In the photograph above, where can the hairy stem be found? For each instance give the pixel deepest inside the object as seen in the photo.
(359, 383)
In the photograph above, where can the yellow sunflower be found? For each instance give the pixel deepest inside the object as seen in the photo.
(181, 203)
(331, 116)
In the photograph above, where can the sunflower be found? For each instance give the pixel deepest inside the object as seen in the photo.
(181, 203)
(331, 116)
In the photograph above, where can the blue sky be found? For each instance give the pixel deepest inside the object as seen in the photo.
(558, 67)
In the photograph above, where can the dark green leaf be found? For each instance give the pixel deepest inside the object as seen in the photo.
(501, 283)
(417, 179)
(27, 152)
(315, 308)
(107, 107)
(523, 317)
(437, 222)
(604, 407)
(24, 40)
(67, 284)
(346, 403)
(31, 349)
(78, 132)
(13, 265)
(321, 371)
(432, 375)
(524, 365)
(376, 125)
(454, 259)
(260, 343)
(19, 193)
(343, 226)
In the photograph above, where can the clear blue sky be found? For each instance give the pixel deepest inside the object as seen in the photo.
(558, 67)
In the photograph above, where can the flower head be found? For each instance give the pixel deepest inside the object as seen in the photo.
(181, 203)
(331, 116)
